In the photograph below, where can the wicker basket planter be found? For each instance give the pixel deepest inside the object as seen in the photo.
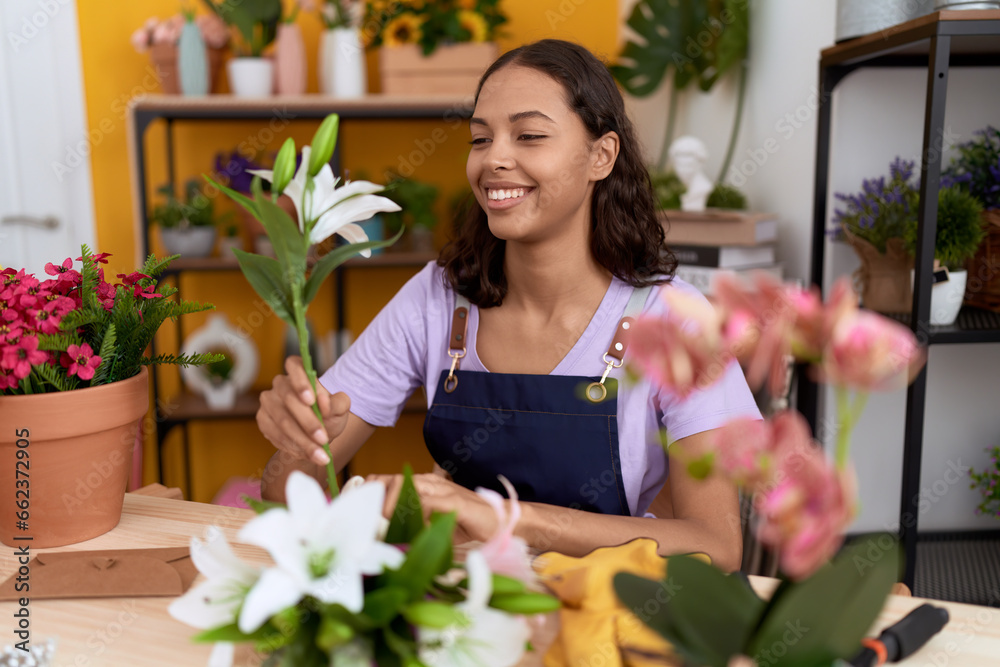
(884, 279)
(983, 287)
(453, 69)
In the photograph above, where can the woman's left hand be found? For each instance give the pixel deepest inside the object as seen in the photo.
(476, 519)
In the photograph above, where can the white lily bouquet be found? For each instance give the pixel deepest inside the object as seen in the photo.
(339, 593)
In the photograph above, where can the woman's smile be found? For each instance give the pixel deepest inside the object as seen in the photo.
(500, 196)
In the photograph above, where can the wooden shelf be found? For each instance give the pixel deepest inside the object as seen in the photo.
(385, 259)
(188, 407)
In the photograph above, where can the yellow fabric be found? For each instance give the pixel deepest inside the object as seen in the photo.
(594, 626)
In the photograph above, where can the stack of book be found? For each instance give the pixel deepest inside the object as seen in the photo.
(712, 242)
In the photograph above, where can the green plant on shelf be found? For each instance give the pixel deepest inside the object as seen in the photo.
(988, 483)
(417, 200)
(194, 209)
(959, 229)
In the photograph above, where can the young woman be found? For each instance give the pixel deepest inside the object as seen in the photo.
(511, 330)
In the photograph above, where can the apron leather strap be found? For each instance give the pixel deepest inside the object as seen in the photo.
(457, 340)
(596, 391)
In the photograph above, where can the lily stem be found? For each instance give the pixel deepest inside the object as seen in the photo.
(847, 416)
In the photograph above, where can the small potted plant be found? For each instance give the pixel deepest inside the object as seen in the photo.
(160, 37)
(976, 169)
(187, 225)
(220, 393)
(231, 240)
(417, 216)
(959, 233)
(255, 24)
(432, 47)
(873, 223)
(988, 483)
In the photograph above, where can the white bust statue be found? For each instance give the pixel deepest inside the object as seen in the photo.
(688, 155)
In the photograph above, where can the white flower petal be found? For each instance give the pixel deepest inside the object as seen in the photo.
(307, 503)
(274, 591)
(342, 585)
(222, 655)
(208, 605)
(352, 521)
(215, 559)
(276, 531)
(480, 581)
(381, 556)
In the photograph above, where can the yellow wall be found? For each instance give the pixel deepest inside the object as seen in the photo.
(113, 73)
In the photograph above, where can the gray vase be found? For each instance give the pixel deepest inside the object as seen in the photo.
(189, 241)
(862, 17)
(958, 4)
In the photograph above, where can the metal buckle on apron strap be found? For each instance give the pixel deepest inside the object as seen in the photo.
(596, 391)
(456, 344)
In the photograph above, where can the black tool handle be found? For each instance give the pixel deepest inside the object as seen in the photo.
(915, 629)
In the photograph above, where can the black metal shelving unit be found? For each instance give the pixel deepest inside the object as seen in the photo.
(936, 42)
(143, 112)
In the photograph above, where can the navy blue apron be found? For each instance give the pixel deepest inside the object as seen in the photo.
(555, 437)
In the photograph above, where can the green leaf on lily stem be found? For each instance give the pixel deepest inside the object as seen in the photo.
(825, 616)
(232, 633)
(525, 603)
(706, 615)
(289, 246)
(408, 516)
(502, 584)
(383, 604)
(284, 168)
(333, 633)
(261, 506)
(248, 204)
(264, 275)
(323, 143)
(331, 260)
(432, 614)
(430, 554)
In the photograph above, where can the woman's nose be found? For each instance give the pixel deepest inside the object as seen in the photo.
(500, 155)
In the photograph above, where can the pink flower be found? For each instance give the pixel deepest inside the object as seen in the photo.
(743, 450)
(213, 30)
(168, 31)
(871, 352)
(45, 321)
(19, 357)
(82, 361)
(681, 350)
(7, 380)
(506, 553)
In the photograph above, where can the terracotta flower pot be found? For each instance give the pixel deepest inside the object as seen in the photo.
(77, 456)
(164, 60)
(884, 278)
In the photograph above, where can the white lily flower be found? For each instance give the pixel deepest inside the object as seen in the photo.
(216, 601)
(337, 209)
(491, 638)
(320, 548)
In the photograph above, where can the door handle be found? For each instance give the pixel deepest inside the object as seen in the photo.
(48, 222)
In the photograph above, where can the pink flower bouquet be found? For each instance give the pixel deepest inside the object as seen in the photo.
(803, 500)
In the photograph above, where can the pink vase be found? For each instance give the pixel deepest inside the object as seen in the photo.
(289, 60)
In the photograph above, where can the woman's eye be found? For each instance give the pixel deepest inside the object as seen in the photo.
(531, 137)
(478, 141)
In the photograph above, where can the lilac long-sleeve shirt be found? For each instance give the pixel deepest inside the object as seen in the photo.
(405, 347)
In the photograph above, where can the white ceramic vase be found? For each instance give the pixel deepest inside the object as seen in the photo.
(342, 69)
(959, 4)
(947, 297)
(188, 241)
(861, 17)
(218, 334)
(250, 77)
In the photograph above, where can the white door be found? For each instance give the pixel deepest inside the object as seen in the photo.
(46, 201)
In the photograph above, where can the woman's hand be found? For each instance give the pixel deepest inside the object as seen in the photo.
(286, 418)
(476, 519)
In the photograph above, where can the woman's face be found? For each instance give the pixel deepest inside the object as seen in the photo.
(532, 162)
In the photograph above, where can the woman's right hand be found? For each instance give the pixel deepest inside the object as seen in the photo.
(286, 417)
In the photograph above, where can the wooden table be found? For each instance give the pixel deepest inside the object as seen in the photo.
(136, 632)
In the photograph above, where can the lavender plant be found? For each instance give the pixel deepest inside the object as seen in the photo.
(883, 209)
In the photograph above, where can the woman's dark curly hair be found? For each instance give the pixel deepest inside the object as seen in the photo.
(627, 238)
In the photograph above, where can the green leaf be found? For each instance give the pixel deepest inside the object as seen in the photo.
(232, 633)
(289, 246)
(432, 614)
(248, 204)
(408, 516)
(383, 604)
(429, 555)
(525, 603)
(333, 633)
(106, 353)
(502, 584)
(261, 506)
(323, 143)
(331, 260)
(825, 617)
(707, 615)
(264, 275)
(284, 167)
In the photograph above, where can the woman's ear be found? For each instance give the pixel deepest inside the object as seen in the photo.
(605, 152)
